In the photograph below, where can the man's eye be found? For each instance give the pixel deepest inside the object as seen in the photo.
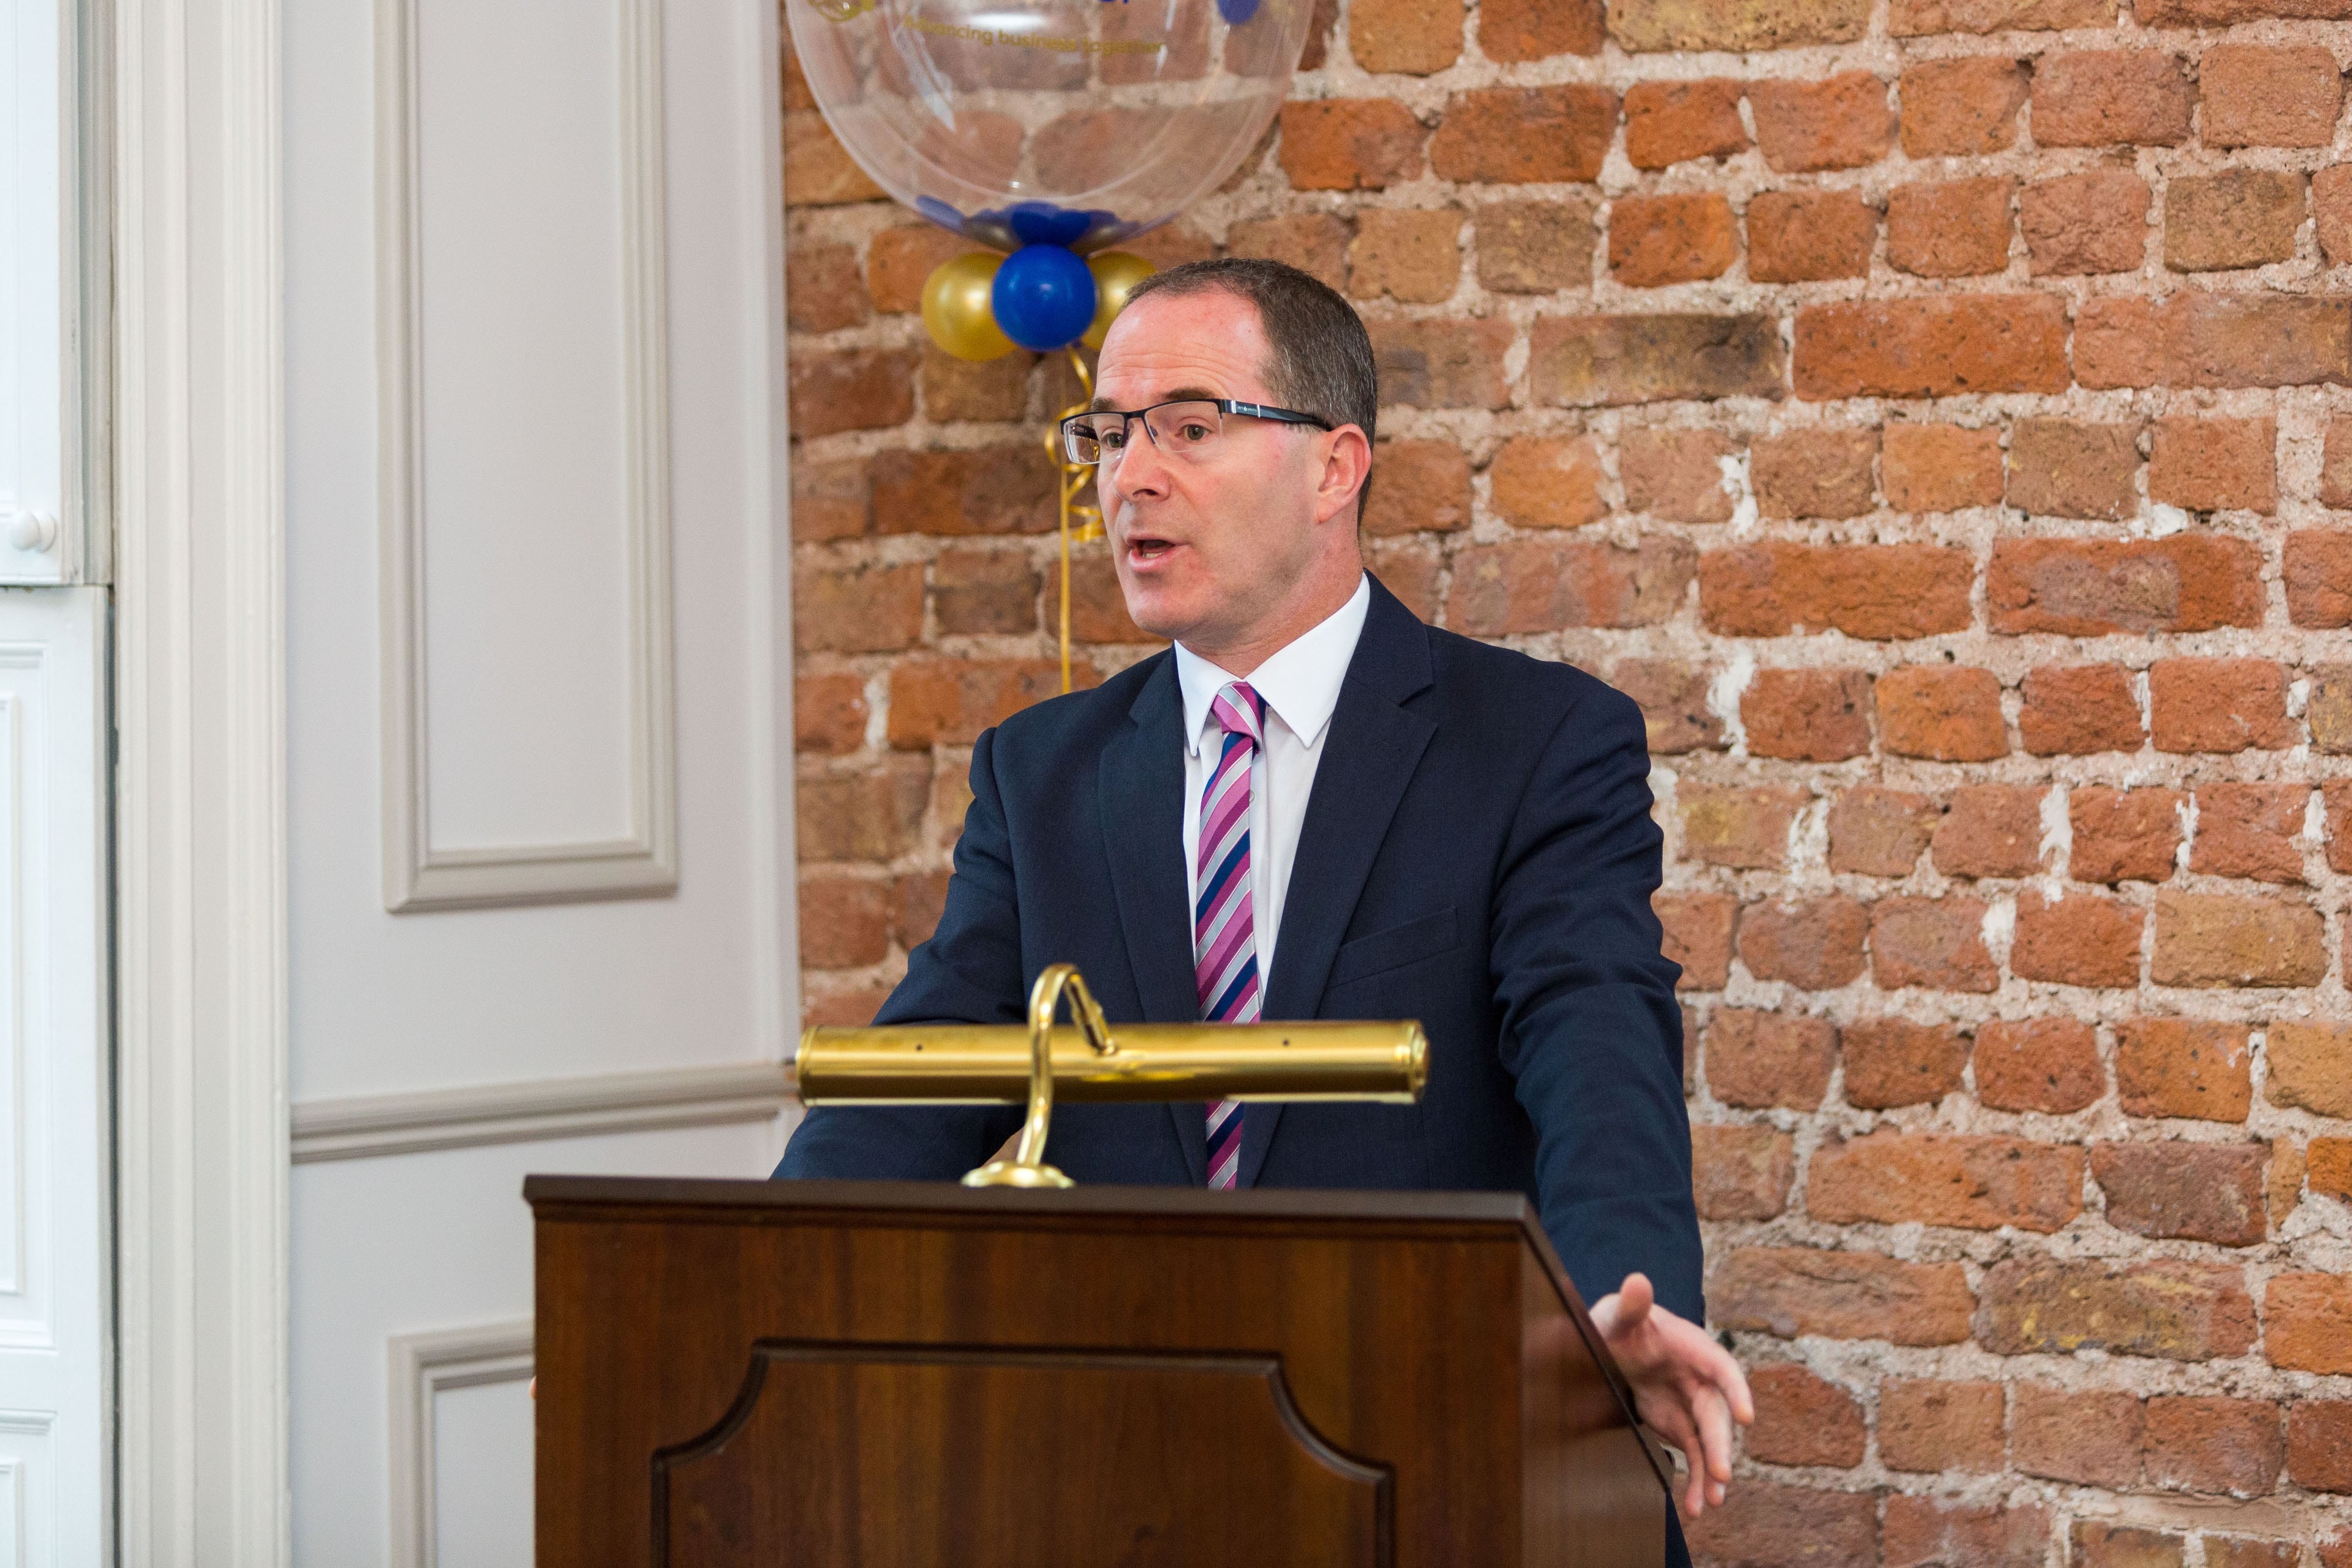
(1110, 440)
(1193, 431)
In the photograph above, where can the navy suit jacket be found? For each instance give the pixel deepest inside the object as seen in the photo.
(1477, 854)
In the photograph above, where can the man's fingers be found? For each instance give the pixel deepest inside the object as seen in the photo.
(1714, 1419)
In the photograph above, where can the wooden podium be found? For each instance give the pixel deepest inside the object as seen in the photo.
(909, 1375)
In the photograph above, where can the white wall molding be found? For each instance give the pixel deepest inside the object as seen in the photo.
(200, 663)
(422, 1366)
(371, 1125)
(418, 873)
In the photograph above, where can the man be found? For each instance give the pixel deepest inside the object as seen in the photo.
(1314, 806)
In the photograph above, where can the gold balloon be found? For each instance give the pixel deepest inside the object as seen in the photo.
(956, 307)
(1116, 273)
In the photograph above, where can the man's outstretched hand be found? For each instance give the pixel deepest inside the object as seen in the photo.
(1687, 1387)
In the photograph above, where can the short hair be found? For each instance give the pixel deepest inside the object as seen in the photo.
(1321, 356)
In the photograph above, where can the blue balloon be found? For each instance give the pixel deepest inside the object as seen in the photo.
(1043, 297)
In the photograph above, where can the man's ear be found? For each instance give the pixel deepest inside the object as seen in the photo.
(1345, 466)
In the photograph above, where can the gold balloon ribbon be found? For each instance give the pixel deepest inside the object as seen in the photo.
(1071, 478)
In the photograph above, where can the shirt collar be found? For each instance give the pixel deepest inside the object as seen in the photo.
(1300, 684)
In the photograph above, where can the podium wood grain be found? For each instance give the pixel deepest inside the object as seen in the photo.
(887, 1375)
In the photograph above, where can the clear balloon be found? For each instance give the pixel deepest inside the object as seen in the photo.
(1070, 122)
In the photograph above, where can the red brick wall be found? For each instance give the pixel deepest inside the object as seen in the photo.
(1940, 416)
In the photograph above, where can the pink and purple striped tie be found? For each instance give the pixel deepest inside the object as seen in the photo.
(1224, 932)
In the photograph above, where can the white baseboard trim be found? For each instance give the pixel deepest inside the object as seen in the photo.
(423, 1365)
(369, 1125)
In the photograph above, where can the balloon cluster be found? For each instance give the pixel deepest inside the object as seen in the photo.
(1043, 297)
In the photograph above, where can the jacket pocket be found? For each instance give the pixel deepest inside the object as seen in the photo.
(1394, 947)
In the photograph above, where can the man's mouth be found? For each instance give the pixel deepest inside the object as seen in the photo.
(1142, 547)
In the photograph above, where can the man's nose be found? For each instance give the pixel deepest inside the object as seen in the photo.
(1139, 468)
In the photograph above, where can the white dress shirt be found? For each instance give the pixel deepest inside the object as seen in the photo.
(1300, 686)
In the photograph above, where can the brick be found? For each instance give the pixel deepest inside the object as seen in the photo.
(1990, 830)
(1743, 829)
(1950, 228)
(2179, 1191)
(1806, 236)
(1879, 833)
(2319, 1444)
(1932, 1532)
(1814, 473)
(842, 1004)
(1814, 943)
(2328, 1168)
(1743, 1173)
(2125, 835)
(1314, 243)
(2071, 469)
(2090, 588)
(1350, 144)
(1934, 943)
(2331, 211)
(828, 713)
(2165, 1309)
(1097, 605)
(1442, 364)
(2208, 1444)
(1939, 347)
(1657, 240)
(1547, 481)
(1968, 1183)
(1411, 256)
(1763, 1522)
(831, 500)
(1940, 468)
(1673, 697)
(1842, 123)
(988, 391)
(1949, 714)
(2191, 1068)
(2254, 340)
(2215, 465)
(2050, 1065)
(857, 610)
(823, 289)
(1403, 35)
(1586, 362)
(1514, 30)
(2311, 1067)
(2092, 222)
(2218, 706)
(1761, 1059)
(1926, 1424)
(2310, 1323)
(2316, 565)
(2251, 94)
(1876, 592)
(2091, 1438)
(899, 260)
(950, 701)
(1697, 936)
(2328, 711)
(1894, 1062)
(917, 902)
(2242, 217)
(2240, 1552)
(2106, 98)
(984, 592)
(1409, 568)
(2119, 342)
(1807, 716)
(2097, 1545)
(851, 389)
(1525, 135)
(1536, 248)
(1542, 585)
(1915, 18)
(2080, 940)
(868, 816)
(2250, 831)
(1172, 244)
(1677, 474)
(1425, 487)
(1793, 1290)
(1961, 108)
(1670, 122)
(844, 921)
(818, 171)
(2076, 710)
(1740, 26)
(990, 490)
(1802, 1419)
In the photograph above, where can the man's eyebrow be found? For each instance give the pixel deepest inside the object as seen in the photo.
(1175, 394)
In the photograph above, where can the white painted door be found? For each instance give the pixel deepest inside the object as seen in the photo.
(539, 884)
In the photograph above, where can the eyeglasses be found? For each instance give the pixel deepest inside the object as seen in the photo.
(1186, 428)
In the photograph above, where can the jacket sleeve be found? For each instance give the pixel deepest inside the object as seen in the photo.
(1591, 1030)
(968, 972)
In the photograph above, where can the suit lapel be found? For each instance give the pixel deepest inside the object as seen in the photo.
(1141, 792)
(1369, 759)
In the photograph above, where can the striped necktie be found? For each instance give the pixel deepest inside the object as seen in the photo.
(1225, 930)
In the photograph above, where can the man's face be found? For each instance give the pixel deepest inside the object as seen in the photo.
(1208, 547)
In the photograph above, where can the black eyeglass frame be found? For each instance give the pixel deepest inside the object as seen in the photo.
(1221, 405)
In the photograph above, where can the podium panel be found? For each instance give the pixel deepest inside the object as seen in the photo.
(886, 1374)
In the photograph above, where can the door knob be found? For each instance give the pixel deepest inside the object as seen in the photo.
(35, 531)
